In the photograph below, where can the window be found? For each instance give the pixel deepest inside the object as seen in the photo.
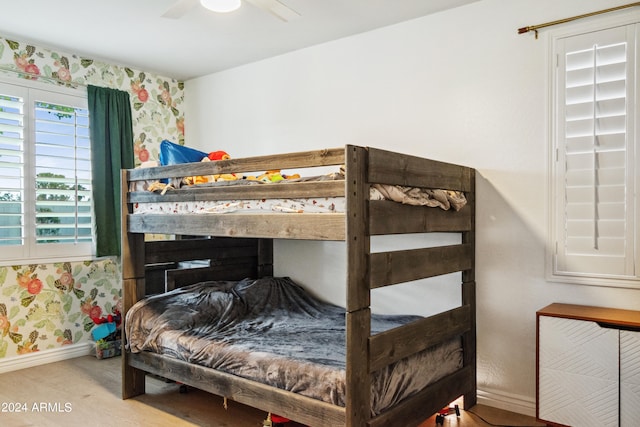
(594, 207)
(45, 174)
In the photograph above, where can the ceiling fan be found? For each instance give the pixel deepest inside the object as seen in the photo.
(274, 7)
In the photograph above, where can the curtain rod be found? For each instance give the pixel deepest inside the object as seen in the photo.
(535, 28)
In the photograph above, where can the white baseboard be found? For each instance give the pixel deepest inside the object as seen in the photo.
(509, 402)
(43, 357)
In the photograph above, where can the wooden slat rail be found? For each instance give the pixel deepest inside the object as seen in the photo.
(324, 226)
(384, 216)
(194, 249)
(389, 268)
(390, 346)
(386, 167)
(229, 259)
(257, 395)
(177, 278)
(279, 190)
(306, 159)
(415, 409)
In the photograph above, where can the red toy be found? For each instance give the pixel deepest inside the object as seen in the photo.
(274, 420)
(277, 419)
(446, 411)
(115, 317)
(218, 155)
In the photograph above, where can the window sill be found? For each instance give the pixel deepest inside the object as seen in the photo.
(605, 282)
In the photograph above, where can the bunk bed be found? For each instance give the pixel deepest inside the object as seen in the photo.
(239, 245)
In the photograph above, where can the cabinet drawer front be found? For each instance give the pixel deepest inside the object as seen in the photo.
(579, 373)
(629, 379)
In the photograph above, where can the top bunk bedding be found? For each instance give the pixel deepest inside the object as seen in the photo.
(360, 175)
(414, 196)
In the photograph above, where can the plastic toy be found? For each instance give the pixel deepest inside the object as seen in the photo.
(115, 317)
(105, 325)
(103, 330)
(445, 412)
(274, 420)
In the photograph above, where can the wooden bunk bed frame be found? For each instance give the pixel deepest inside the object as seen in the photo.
(242, 247)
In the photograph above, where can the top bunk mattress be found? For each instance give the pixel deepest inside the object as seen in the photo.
(272, 331)
(443, 199)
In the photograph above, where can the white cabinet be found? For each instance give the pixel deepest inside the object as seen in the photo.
(629, 378)
(588, 366)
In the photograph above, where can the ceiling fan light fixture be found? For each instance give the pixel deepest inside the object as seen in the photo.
(221, 6)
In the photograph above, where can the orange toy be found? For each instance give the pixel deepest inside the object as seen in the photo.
(218, 155)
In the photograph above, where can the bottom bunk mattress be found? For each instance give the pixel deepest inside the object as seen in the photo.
(272, 331)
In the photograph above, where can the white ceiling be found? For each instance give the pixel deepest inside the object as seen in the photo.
(133, 33)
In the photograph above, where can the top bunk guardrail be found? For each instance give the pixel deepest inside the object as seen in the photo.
(381, 167)
(304, 159)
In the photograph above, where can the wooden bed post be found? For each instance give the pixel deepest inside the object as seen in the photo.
(469, 296)
(358, 380)
(132, 256)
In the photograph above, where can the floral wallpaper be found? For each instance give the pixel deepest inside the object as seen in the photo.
(156, 101)
(51, 305)
(48, 306)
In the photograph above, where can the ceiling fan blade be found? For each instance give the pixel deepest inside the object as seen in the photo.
(179, 8)
(276, 8)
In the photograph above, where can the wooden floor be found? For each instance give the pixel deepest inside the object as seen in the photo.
(86, 392)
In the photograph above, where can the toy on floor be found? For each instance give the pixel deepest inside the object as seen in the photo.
(274, 420)
(445, 412)
(106, 326)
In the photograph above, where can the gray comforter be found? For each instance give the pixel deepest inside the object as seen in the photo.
(270, 330)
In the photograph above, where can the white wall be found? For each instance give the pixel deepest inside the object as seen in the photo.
(459, 86)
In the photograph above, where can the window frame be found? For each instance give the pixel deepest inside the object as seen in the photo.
(585, 278)
(31, 252)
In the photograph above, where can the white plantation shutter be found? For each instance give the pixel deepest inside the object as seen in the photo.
(12, 170)
(595, 165)
(63, 174)
(46, 210)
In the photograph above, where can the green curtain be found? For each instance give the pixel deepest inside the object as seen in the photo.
(111, 150)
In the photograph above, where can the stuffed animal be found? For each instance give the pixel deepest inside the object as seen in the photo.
(218, 155)
(221, 155)
(272, 176)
